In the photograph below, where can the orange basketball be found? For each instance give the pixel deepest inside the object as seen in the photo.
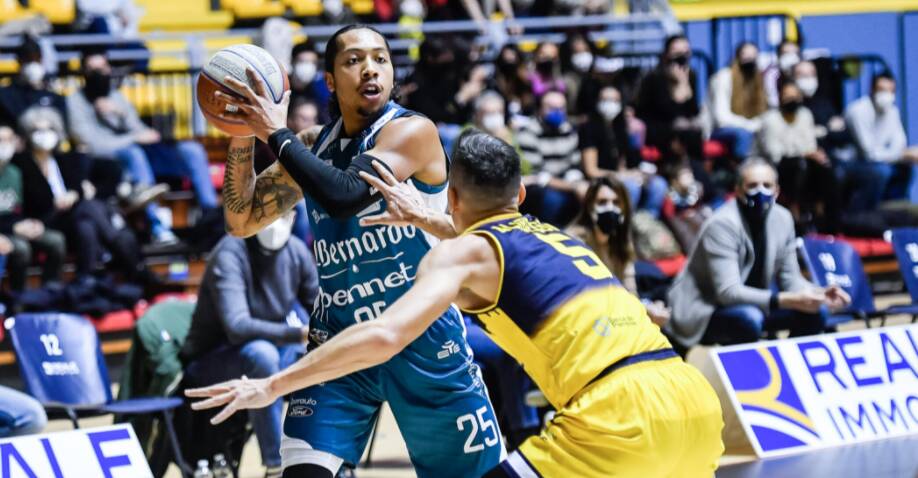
(232, 61)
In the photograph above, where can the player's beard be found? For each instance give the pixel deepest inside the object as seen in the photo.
(371, 115)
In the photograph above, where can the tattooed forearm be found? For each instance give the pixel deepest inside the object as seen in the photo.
(273, 195)
(238, 178)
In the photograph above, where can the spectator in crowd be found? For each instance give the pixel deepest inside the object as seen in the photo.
(605, 148)
(107, 125)
(737, 99)
(489, 117)
(877, 129)
(831, 131)
(667, 102)
(30, 87)
(549, 144)
(119, 18)
(724, 294)
(512, 81)
(787, 57)
(806, 177)
(443, 86)
(243, 323)
(307, 81)
(576, 61)
(20, 414)
(547, 73)
(683, 209)
(57, 194)
(19, 235)
(304, 114)
(604, 224)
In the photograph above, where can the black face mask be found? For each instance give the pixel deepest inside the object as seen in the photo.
(98, 85)
(608, 220)
(545, 67)
(507, 68)
(681, 60)
(791, 107)
(748, 68)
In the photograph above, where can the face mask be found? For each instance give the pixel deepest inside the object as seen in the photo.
(582, 61)
(44, 139)
(808, 85)
(493, 122)
(545, 67)
(681, 60)
(7, 150)
(787, 61)
(791, 107)
(748, 68)
(98, 85)
(304, 71)
(884, 100)
(608, 218)
(333, 7)
(758, 201)
(34, 74)
(555, 118)
(275, 236)
(687, 200)
(609, 109)
(412, 8)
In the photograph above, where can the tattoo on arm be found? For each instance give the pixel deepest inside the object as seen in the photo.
(275, 193)
(239, 168)
(253, 202)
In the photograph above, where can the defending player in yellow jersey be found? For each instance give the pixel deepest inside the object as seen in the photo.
(626, 404)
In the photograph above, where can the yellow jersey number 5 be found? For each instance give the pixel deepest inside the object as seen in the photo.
(585, 260)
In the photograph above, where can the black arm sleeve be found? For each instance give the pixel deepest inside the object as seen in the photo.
(342, 193)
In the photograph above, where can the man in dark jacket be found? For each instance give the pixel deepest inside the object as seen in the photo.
(243, 324)
(30, 88)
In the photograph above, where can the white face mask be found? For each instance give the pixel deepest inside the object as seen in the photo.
(582, 61)
(333, 7)
(45, 139)
(305, 71)
(808, 85)
(493, 122)
(7, 150)
(412, 8)
(609, 109)
(884, 100)
(34, 74)
(787, 61)
(275, 236)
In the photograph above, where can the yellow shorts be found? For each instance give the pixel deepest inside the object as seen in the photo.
(650, 419)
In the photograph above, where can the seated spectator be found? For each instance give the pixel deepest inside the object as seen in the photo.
(443, 86)
(787, 57)
(57, 195)
(19, 235)
(107, 126)
(724, 294)
(512, 80)
(576, 61)
(605, 148)
(30, 87)
(307, 81)
(831, 131)
(243, 324)
(668, 104)
(489, 117)
(683, 210)
(20, 414)
(549, 144)
(788, 139)
(876, 126)
(547, 73)
(604, 225)
(737, 99)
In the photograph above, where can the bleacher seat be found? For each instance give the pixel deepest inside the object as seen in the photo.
(182, 15)
(305, 8)
(117, 321)
(905, 243)
(671, 266)
(254, 9)
(58, 12)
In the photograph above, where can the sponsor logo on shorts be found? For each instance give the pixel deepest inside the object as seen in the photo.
(449, 348)
(301, 407)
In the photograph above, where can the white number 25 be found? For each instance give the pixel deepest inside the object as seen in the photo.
(475, 421)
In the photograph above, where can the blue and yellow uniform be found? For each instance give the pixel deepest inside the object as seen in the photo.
(626, 404)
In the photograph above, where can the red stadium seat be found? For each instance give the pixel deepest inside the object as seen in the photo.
(714, 149)
(865, 246)
(672, 265)
(117, 321)
(216, 175)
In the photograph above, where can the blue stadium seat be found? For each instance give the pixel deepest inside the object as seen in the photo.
(833, 262)
(63, 368)
(905, 245)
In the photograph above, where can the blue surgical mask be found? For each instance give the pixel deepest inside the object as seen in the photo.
(555, 118)
(758, 201)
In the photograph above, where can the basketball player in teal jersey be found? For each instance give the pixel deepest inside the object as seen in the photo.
(433, 388)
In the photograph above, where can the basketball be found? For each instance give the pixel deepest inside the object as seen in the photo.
(232, 61)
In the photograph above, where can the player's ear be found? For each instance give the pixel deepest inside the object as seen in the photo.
(521, 195)
(330, 82)
(452, 196)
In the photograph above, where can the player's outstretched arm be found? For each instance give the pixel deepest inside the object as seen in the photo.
(467, 263)
(252, 202)
(404, 206)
